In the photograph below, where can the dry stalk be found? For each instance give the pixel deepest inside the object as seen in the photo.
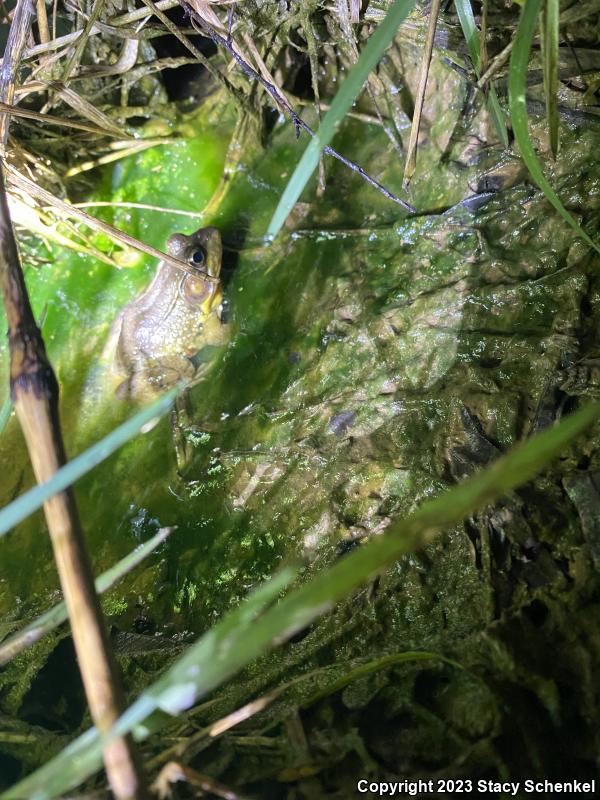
(411, 150)
(34, 392)
(42, 20)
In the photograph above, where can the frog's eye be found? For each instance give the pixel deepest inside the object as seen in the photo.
(198, 257)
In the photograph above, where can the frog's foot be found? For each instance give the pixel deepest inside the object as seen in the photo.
(180, 426)
(187, 436)
(582, 378)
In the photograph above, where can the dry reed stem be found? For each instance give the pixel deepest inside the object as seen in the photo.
(411, 150)
(42, 21)
(34, 392)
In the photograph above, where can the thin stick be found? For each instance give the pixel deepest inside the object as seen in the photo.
(411, 150)
(34, 392)
(483, 51)
(145, 206)
(496, 63)
(42, 21)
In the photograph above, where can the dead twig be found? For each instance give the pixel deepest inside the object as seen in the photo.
(42, 21)
(173, 772)
(411, 150)
(34, 393)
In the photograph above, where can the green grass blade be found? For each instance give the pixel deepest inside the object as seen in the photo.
(29, 502)
(243, 635)
(517, 75)
(471, 34)
(5, 412)
(355, 672)
(550, 19)
(346, 95)
(51, 619)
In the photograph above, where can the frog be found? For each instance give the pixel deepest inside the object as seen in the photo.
(157, 339)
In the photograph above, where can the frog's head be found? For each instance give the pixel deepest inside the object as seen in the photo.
(202, 250)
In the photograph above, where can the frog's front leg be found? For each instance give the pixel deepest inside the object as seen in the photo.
(153, 377)
(181, 422)
(217, 332)
(182, 416)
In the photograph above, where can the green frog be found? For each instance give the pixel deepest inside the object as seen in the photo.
(157, 338)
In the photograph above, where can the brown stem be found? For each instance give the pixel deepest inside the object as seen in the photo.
(411, 150)
(42, 21)
(34, 392)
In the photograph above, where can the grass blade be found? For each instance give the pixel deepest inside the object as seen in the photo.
(342, 103)
(5, 412)
(234, 642)
(29, 502)
(356, 671)
(550, 17)
(472, 38)
(56, 616)
(517, 75)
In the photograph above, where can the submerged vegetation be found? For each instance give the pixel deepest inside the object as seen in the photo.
(381, 558)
